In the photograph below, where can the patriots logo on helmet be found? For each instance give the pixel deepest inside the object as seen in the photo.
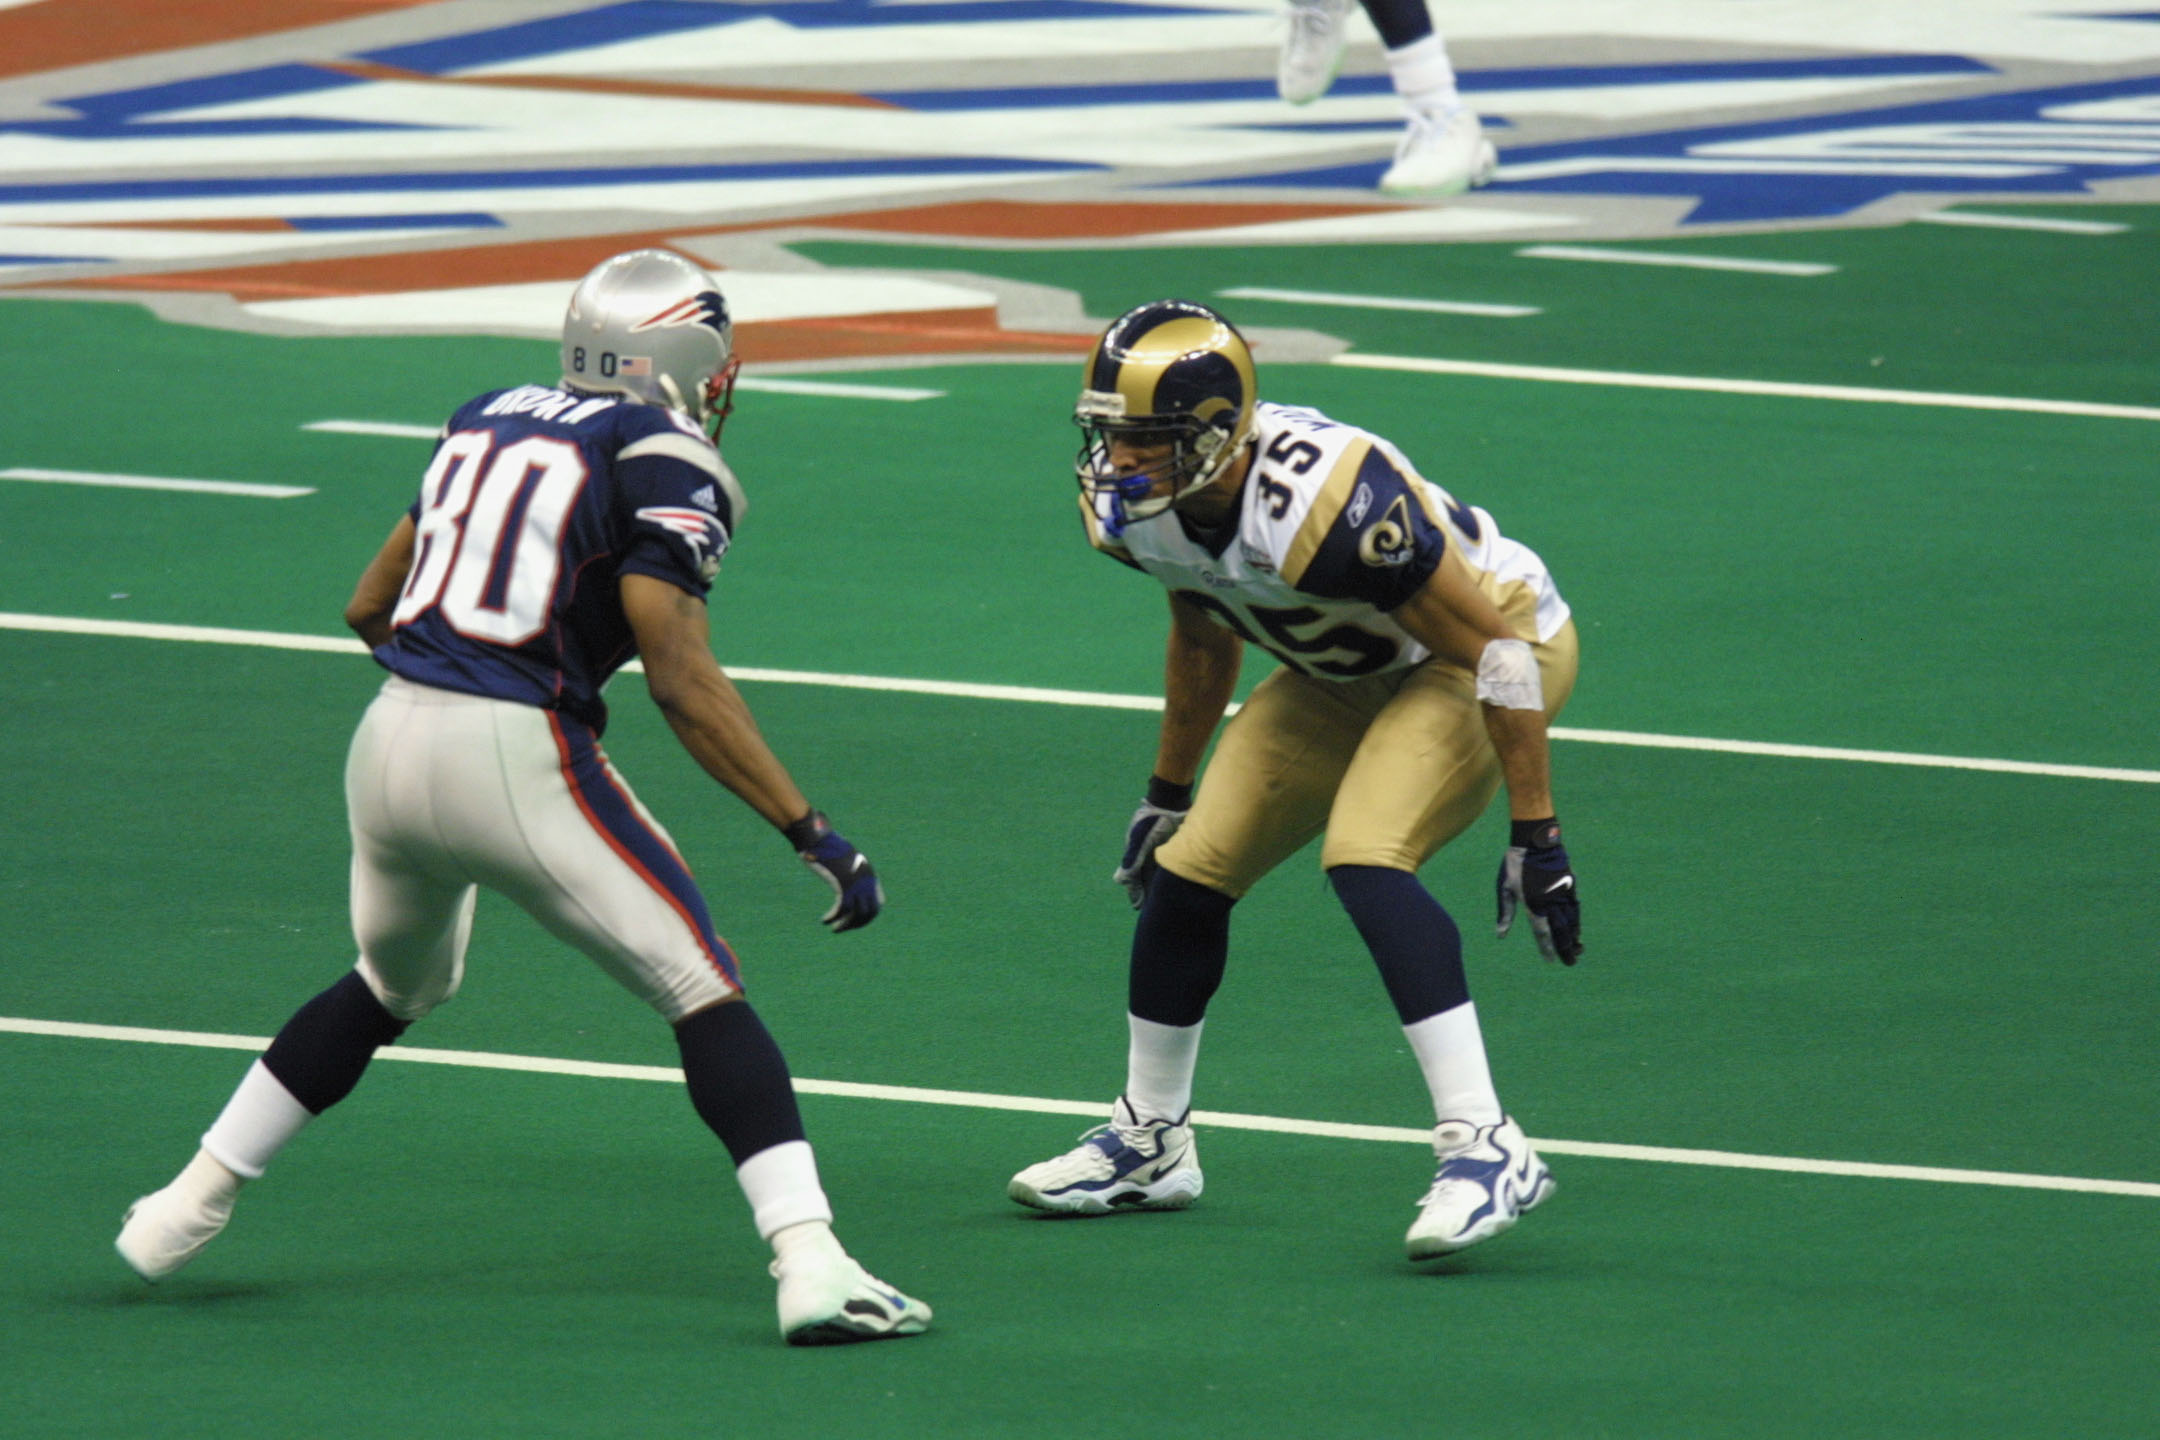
(704, 308)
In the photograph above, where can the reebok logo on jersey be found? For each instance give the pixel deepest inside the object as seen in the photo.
(1360, 503)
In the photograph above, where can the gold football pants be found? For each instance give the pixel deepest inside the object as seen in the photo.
(1392, 767)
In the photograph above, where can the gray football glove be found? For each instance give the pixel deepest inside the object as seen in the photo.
(1535, 875)
(1155, 821)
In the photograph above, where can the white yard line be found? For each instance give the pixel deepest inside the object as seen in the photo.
(983, 1100)
(154, 482)
(375, 427)
(838, 390)
(1680, 261)
(1092, 699)
(1378, 302)
(2019, 222)
(1717, 385)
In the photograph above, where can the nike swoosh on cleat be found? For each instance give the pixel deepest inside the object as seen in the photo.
(1566, 882)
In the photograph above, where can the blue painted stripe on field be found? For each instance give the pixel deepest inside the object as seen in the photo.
(233, 88)
(220, 186)
(54, 260)
(463, 220)
(1568, 77)
(102, 127)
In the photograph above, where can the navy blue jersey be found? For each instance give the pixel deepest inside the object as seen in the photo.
(537, 503)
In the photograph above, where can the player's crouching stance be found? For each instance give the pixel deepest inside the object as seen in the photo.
(557, 533)
(1422, 654)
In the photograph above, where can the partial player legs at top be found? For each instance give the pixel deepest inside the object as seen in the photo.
(1443, 150)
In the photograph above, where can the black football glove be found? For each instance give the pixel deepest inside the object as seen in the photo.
(1155, 821)
(857, 895)
(1534, 874)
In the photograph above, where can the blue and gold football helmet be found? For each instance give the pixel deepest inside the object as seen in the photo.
(1170, 376)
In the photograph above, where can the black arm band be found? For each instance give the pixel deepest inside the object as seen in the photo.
(1163, 795)
(807, 831)
(1534, 834)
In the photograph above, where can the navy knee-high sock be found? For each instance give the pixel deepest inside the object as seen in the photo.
(1179, 949)
(738, 1079)
(324, 1049)
(1415, 944)
(1400, 22)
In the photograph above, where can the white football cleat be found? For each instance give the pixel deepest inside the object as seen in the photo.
(1312, 50)
(826, 1298)
(1488, 1176)
(163, 1230)
(1128, 1164)
(1441, 154)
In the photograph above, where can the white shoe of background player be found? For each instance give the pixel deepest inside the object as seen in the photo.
(1441, 154)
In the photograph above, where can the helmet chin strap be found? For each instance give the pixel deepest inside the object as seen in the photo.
(675, 396)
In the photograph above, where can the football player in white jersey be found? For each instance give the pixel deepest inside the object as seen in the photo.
(559, 531)
(1422, 654)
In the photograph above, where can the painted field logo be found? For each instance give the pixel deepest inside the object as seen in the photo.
(2038, 142)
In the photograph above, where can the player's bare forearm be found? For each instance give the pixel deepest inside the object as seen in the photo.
(701, 705)
(1520, 739)
(1200, 670)
(375, 596)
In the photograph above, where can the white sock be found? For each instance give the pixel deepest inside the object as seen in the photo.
(806, 1237)
(1423, 77)
(781, 1184)
(209, 1182)
(255, 1124)
(1451, 1052)
(1159, 1068)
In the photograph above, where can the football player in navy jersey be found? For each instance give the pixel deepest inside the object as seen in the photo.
(1443, 149)
(559, 531)
(1422, 654)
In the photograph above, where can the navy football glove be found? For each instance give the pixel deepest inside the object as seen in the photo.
(1155, 821)
(1535, 875)
(857, 895)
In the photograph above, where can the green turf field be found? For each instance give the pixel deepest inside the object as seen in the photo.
(1788, 957)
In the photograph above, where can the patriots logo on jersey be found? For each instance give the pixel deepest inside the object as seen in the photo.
(704, 308)
(700, 531)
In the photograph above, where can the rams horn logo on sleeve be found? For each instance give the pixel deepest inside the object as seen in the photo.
(1388, 541)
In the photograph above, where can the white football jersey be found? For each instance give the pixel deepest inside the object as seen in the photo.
(1335, 529)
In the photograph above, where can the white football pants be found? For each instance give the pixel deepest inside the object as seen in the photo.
(447, 792)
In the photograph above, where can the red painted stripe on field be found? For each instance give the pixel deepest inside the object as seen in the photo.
(55, 34)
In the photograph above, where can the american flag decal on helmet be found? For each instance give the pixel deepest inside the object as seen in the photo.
(704, 308)
(703, 532)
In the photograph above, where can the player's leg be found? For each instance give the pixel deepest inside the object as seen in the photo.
(1424, 773)
(1443, 149)
(412, 927)
(1265, 793)
(1312, 48)
(592, 865)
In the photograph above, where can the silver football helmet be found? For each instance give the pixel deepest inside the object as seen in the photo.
(651, 325)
